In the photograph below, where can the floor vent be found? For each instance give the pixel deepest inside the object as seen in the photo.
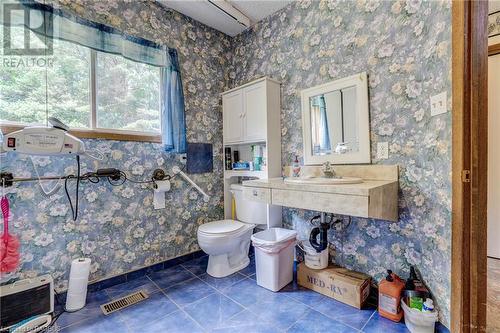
(123, 302)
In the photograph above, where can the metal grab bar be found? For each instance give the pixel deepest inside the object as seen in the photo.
(177, 171)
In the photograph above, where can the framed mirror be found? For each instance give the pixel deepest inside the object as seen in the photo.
(335, 122)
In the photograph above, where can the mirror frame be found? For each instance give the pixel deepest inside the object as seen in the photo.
(363, 156)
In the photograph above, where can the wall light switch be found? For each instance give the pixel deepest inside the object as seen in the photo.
(383, 150)
(439, 104)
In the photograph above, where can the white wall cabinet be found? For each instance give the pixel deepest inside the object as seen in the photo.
(251, 115)
(254, 112)
(232, 104)
(246, 111)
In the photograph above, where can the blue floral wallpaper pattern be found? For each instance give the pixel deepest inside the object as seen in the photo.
(494, 24)
(405, 47)
(117, 226)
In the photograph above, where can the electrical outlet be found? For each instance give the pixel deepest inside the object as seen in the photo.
(383, 150)
(439, 104)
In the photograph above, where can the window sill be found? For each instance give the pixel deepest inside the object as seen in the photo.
(98, 134)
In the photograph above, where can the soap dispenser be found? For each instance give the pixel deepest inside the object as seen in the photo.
(296, 167)
(389, 297)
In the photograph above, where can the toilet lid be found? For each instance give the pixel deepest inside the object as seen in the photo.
(221, 227)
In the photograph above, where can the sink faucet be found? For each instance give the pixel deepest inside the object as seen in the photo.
(328, 171)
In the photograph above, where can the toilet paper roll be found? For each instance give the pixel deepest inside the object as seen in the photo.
(78, 282)
(161, 186)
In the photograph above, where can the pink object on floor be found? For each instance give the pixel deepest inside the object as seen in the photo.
(9, 244)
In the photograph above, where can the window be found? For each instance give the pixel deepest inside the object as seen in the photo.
(23, 92)
(94, 93)
(128, 94)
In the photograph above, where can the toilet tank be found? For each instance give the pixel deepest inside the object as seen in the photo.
(247, 210)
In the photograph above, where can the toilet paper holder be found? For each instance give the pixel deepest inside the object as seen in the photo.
(162, 184)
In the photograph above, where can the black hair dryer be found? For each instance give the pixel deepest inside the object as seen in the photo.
(322, 231)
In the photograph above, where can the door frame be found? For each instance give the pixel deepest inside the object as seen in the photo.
(469, 165)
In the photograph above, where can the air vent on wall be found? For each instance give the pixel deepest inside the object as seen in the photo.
(231, 11)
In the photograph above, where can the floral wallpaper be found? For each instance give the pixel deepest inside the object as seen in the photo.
(494, 24)
(405, 47)
(117, 226)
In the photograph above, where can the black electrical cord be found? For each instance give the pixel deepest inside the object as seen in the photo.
(91, 177)
(139, 181)
(74, 210)
(94, 178)
(56, 316)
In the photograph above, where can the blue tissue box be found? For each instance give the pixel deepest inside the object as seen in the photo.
(241, 166)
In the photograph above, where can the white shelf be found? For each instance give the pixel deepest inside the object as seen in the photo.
(245, 143)
(251, 115)
(244, 173)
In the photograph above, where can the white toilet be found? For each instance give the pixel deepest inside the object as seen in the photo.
(227, 241)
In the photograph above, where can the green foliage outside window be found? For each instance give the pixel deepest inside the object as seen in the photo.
(127, 92)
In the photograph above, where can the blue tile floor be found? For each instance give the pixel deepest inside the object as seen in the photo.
(184, 298)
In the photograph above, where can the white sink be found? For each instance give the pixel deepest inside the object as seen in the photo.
(323, 181)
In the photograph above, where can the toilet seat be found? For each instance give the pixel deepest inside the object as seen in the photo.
(223, 228)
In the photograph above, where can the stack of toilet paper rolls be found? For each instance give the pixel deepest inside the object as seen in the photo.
(78, 281)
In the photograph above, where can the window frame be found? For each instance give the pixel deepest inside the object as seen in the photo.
(94, 132)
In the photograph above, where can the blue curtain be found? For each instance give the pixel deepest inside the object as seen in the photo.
(324, 139)
(173, 124)
(55, 23)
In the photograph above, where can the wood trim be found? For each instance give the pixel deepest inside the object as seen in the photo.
(459, 293)
(97, 134)
(479, 163)
(469, 140)
(494, 49)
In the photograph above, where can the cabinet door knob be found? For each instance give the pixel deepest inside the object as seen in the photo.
(255, 193)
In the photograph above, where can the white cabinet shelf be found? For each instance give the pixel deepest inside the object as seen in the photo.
(251, 115)
(249, 111)
(245, 173)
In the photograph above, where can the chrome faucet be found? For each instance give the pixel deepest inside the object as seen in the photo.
(328, 171)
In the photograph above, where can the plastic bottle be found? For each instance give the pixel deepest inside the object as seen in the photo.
(389, 297)
(428, 306)
(296, 167)
(229, 162)
(257, 157)
(414, 283)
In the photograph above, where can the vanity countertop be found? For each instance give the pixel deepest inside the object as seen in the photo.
(362, 189)
(376, 197)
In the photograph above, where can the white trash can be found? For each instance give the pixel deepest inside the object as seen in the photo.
(274, 250)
